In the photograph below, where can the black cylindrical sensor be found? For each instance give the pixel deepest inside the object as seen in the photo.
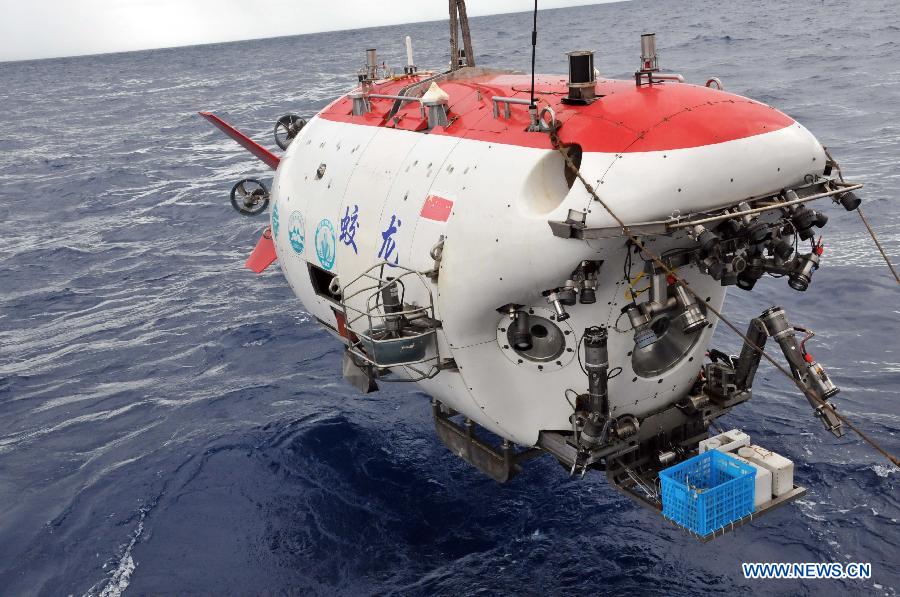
(596, 362)
(850, 201)
(390, 297)
(581, 77)
(581, 67)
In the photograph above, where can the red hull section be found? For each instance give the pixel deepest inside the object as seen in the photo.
(626, 119)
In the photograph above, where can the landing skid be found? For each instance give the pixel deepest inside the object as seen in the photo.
(500, 463)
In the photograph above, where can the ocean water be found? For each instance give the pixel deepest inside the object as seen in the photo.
(171, 423)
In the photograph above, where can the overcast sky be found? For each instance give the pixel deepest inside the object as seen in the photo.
(51, 28)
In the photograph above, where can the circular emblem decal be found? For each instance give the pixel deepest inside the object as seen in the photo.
(275, 221)
(297, 232)
(325, 243)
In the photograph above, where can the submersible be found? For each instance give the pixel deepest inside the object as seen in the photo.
(547, 256)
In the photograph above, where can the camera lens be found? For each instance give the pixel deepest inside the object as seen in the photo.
(746, 280)
(567, 296)
(798, 282)
(850, 201)
(821, 219)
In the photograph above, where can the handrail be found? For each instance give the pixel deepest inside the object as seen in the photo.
(401, 98)
(574, 227)
(666, 77)
(407, 98)
(778, 205)
(499, 99)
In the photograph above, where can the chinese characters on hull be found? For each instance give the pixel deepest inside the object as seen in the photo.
(388, 244)
(349, 224)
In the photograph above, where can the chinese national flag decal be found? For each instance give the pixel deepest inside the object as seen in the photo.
(437, 208)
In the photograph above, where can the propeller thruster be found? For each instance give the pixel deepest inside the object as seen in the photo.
(286, 128)
(250, 197)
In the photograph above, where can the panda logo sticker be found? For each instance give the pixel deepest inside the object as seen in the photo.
(297, 232)
(325, 243)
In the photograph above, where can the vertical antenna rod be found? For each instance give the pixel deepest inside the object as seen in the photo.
(533, 53)
(454, 37)
(460, 19)
(466, 33)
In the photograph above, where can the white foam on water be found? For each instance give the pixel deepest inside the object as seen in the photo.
(121, 576)
(884, 470)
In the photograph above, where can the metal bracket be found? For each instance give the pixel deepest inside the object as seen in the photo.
(574, 227)
(361, 377)
(575, 224)
(500, 464)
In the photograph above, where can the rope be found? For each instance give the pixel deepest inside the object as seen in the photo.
(864, 220)
(659, 263)
(878, 244)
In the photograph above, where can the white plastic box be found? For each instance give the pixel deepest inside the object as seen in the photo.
(782, 469)
(729, 441)
(763, 488)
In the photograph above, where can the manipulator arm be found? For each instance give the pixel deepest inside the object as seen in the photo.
(733, 376)
(816, 383)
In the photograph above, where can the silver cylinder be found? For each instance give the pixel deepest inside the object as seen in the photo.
(695, 402)
(372, 63)
(648, 52)
(692, 316)
(667, 458)
(821, 381)
(648, 46)
(636, 316)
(627, 426)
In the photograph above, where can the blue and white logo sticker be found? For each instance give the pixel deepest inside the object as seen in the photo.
(325, 243)
(297, 232)
(275, 221)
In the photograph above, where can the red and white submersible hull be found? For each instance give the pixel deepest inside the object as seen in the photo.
(437, 224)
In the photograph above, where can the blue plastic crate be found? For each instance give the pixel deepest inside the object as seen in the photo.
(707, 492)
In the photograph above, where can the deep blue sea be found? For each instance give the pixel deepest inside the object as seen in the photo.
(171, 423)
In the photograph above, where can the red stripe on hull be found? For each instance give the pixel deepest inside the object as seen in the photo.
(626, 119)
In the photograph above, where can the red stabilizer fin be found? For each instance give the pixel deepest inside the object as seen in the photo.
(259, 152)
(264, 254)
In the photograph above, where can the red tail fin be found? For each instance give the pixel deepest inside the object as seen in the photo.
(264, 254)
(259, 152)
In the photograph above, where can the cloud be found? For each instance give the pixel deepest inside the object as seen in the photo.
(51, 28)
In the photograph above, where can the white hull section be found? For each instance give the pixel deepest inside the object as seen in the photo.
(499, 249)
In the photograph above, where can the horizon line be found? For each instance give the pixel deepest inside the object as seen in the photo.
(242, 40)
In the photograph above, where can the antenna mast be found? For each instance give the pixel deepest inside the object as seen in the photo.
(459, 19)
(533, 54)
